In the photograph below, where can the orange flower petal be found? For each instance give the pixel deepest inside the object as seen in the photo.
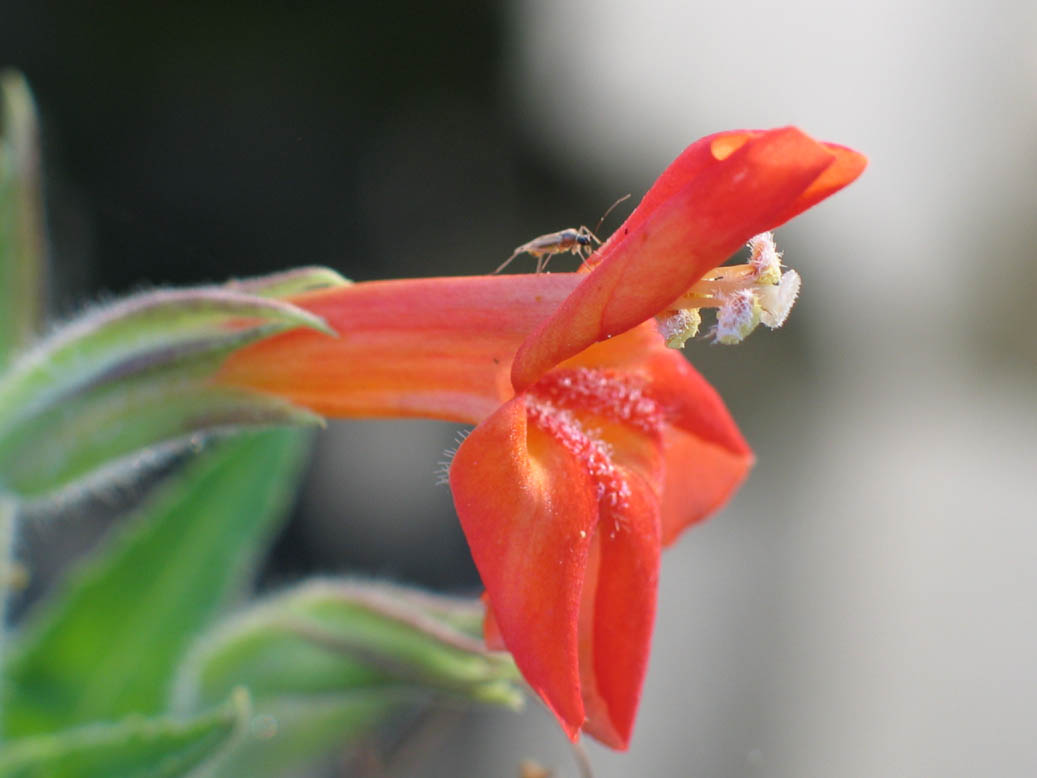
(619, 604)
(689, 401)
(700, 478)
(706, 456)
(528, 507)
(715, 197)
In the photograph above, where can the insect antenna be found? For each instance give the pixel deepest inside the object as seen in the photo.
(604, 215)
(590, 249)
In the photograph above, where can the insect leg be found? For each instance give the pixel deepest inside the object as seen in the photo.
(509, 260)
(579, 252)
(584, 230)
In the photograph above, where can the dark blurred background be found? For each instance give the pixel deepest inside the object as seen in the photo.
(862, 607)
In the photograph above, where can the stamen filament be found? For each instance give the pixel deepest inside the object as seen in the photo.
(744, 296)
(720, 282)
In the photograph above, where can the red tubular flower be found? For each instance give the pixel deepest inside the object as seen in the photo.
(603, 446)
(436, 348)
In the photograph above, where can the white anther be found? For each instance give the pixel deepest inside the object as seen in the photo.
(765, 258)
(679, 326)
(737, 317)
(777, 301)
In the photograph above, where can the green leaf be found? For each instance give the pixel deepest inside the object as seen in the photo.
(328, 661)
(21, 217)
(108, 642)
(134, 748)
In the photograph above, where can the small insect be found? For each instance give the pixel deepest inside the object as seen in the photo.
(569, 239)
(572, 239)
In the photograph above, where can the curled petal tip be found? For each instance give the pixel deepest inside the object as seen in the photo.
(718, 193)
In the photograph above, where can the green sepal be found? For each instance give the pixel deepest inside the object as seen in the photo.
(328, 635)
(133, 376)
(139, 333)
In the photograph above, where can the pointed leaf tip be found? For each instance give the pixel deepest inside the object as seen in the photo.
(290, 282)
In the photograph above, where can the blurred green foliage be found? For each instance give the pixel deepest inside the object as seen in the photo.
(134, 748)
(108, 643)
(21, 214)
(329, 659)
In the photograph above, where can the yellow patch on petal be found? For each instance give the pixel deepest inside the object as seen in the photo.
(723, 147)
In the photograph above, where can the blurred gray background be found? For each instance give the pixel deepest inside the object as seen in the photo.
(864, 607)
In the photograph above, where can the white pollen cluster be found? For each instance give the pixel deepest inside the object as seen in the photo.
(679, 326)
(764, 258)
(737, 317)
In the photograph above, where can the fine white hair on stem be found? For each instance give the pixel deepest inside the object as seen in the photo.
(443, 466)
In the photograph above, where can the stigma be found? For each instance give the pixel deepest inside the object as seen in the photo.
(744, 297)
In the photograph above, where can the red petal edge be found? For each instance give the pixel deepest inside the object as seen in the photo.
(523, 502)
